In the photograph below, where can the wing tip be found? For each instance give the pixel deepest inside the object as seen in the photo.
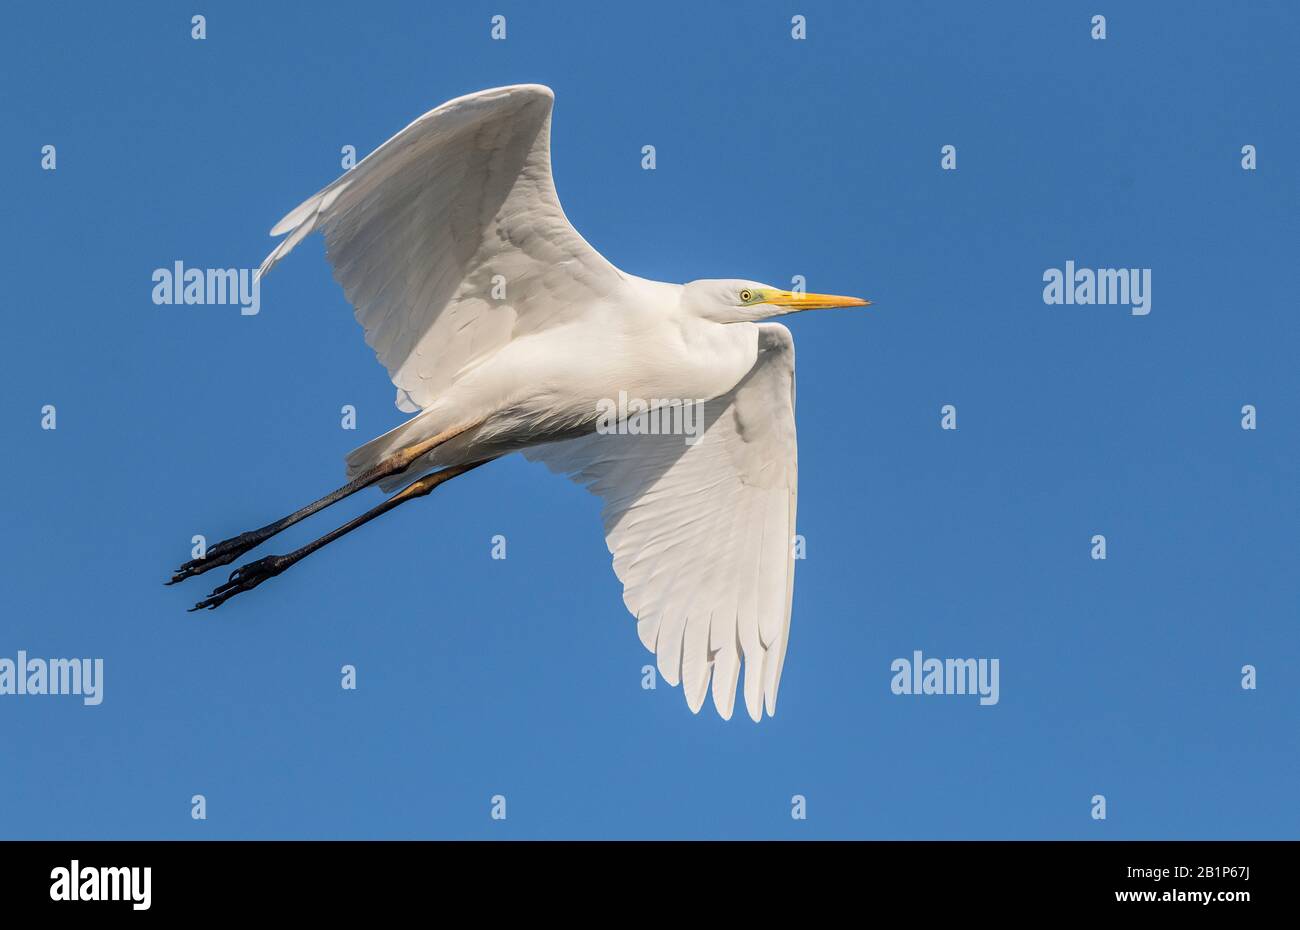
(535, 88)
(769, 702)
(541, 89)
(296, 217)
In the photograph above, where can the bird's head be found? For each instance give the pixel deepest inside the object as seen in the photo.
(736, 301)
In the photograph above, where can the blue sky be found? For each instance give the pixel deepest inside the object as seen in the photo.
(521, 677)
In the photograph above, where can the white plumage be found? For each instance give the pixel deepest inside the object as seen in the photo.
(702, 535)
(487, 308)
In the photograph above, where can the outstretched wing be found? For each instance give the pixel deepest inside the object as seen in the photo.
(702, 535)
(449, 239)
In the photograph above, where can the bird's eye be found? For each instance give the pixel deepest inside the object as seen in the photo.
(746, 296)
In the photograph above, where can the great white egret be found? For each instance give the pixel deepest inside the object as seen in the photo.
(504, 331)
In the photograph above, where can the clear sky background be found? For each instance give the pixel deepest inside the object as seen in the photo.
(776, 157)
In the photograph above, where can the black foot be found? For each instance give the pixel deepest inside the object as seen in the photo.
(245, 578)
(223, 553)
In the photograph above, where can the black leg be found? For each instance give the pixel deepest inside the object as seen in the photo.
(247, 577)
(226, 551)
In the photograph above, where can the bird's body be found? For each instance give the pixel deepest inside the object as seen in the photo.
(643, 342)
(503, 331)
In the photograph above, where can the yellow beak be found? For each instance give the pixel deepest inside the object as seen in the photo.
(794, 301)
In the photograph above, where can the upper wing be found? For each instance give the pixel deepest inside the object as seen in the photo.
(449, 239)
(702, 535)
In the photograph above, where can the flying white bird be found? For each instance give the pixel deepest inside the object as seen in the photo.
(504, 331)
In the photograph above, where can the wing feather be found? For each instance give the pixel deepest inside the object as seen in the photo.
(701, 535)
(422, 233)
